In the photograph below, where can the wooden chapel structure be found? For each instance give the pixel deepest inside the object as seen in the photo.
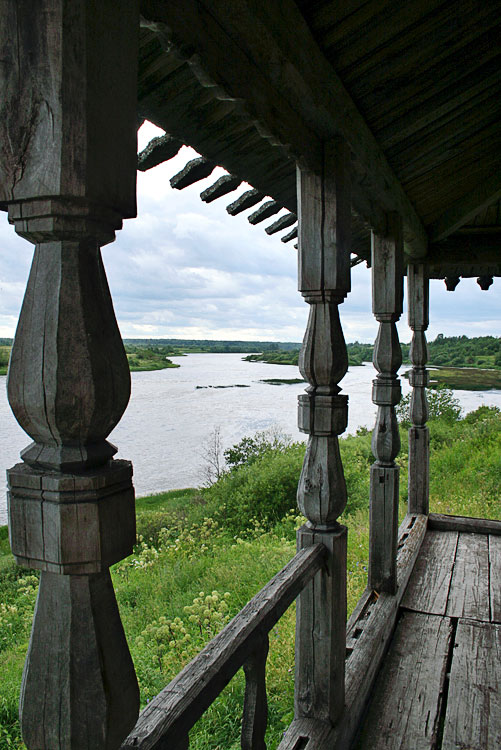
(376, 124)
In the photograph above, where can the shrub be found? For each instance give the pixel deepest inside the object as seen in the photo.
(442, 404)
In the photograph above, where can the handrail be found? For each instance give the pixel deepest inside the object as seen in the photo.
(168, 718)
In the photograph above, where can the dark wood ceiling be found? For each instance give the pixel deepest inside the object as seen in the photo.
(424, 76)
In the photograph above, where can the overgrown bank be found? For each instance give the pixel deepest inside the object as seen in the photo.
(202, 554)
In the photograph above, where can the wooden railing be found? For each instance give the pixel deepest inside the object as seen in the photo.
(168, 718)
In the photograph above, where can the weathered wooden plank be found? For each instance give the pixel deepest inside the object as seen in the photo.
(290, 235)
(285, 96)
(495, 577)
(176, 709)
(439, 522)
(245, 201)
(429, 584)
(473, 717)
(157, 151)
(226, 184)
(195, 170)
(255, 713)
(282, 223)
(405, 708)
(469, 589)
(375, 618)
(307, 734)
(264, 212)
(466, 208)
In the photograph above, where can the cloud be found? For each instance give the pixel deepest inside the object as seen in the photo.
(187, 269)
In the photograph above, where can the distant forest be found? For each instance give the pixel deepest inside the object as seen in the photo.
(445, 351)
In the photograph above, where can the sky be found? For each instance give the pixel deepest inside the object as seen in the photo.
(186, 269)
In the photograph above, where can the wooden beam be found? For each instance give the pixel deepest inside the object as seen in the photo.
(226, 184)
(282, 223)
(299, 101)
(460, 523)
(173, 712)
(466, 208)
(195, 170)
(157, 151)
(245, 201)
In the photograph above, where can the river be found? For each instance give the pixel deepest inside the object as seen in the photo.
(169, 419)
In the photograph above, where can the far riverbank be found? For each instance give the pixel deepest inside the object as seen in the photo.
(169, 419)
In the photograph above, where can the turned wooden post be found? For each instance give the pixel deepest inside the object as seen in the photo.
(324, 281)
(387, 293)
(67, 176)
(419, 435)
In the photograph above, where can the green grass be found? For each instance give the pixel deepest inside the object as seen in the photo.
(465, 378)
(212, 550)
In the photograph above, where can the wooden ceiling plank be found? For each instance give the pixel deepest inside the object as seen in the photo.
(385, 23)
(457, 95)
(465, 209)
(332, 13)
(334, 22)
(438, 33)
(393, 95)
(431, 177)
(443, 145)
(281, 74)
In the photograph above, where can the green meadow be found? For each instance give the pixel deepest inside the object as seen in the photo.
(202, 554)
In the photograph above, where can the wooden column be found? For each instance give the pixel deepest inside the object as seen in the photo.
(419, 435)
(324, 281)
(67, 176)
(387, 293)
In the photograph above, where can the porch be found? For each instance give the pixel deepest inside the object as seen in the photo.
(376, 125)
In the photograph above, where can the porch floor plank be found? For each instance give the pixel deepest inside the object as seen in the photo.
(473, 717)
(428, 587)
(405, 708)
(469, 589)
(495, 576)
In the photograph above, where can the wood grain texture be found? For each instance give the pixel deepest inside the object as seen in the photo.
(440, 522)
(71, 77)
(428, 588)
(383, 528)
(405, 708)
(79, 687)
(419, 438)
(375, 619)
(255, 713)
(495, 577)
(284, 96)
(173, 712)
(321, 631)
(387, 295)
(469, 589)
(473, 717)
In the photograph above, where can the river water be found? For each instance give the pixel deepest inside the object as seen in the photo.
(169, 420)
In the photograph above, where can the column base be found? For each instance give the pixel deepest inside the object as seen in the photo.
(71, 523)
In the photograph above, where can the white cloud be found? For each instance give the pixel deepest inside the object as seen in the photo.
(187, 269)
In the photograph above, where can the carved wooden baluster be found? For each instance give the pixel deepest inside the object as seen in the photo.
(419, 435)
(68, 139)
(324, 281)
(255, 715)
(387, 293)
